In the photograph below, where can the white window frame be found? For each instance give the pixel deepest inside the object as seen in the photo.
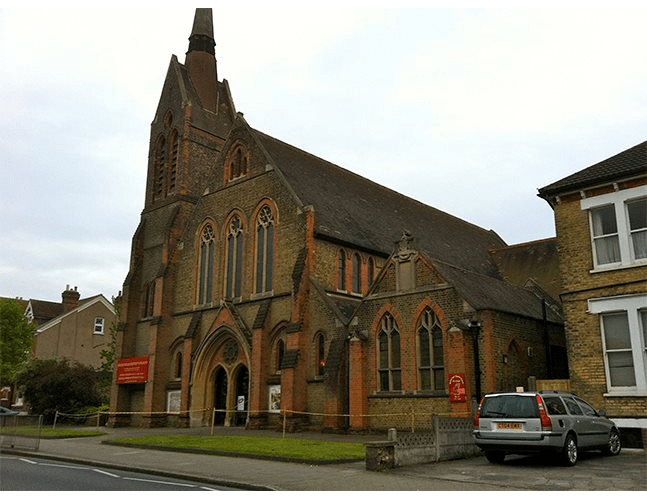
(619, 200)
(632, 305)
(99, 321)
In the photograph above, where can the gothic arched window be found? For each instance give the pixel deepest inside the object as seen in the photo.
(178, 365)
(371, 271)
(172, 169)
(320, 357)
(264, 249)
(357, 274)
(388, 339)
(280, 353)
(341, 270)
(159, 164)
(207, 251)
(238, 163)
(234, 257)
(430, 352)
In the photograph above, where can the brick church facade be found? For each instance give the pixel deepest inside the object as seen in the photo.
(267, 282)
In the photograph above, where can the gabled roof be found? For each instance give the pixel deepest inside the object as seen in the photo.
(486, 293)
(43, 311)
(360, 213)
(627, 164)
(83, 304)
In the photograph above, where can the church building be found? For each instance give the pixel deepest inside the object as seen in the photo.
(267, 285)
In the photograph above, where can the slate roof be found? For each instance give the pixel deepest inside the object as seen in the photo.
(363, 214)
(486, 293)
(44, 311)
(628, 163)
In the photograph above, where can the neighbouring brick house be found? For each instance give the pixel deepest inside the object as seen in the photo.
(78, 332)
(601, 222)
(265, 279)
(74, 329)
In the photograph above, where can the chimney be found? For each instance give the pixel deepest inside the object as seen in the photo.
(70, 299)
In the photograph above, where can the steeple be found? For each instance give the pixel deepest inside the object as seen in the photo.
(201, 59)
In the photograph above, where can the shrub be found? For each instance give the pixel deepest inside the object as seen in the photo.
(58, 385)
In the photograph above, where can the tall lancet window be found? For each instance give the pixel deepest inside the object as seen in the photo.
(159, 167)
(264, 249)
(430, 346)
(388, 362)
(207, 251)
(238, 163)
(341, 270)
(172, 168)
(234, 257)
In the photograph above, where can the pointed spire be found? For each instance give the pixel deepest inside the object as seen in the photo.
(201, 59)
(201, 39)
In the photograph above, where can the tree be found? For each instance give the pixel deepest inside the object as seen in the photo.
(58, 385)
(16, 339)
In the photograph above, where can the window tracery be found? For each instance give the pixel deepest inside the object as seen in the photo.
(389, 370)
(430, 352)
(264, 249)
(207, 256)
(234, 257)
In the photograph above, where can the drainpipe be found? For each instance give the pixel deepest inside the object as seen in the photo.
(544, 324)
(474, 328)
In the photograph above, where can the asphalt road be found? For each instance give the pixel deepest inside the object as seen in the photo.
(34, 474)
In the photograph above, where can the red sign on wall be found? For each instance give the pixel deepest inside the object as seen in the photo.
(456, 384)
(132, 370)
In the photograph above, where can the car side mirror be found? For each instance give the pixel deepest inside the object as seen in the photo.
(602, 413)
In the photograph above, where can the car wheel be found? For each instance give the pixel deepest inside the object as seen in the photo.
(569, 452)
(614, 446)
(495, 457)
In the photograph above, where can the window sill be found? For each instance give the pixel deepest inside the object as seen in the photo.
(618, 266)
(625, 393)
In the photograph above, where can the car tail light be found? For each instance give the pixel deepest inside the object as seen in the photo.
(546, 423)
(478, 414)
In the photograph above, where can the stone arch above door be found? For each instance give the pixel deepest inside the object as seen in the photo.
(222, 349)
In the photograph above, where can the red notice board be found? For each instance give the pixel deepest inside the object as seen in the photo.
(132, 370)
(456, 386)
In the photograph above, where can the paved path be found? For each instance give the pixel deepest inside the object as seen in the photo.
(628, 471)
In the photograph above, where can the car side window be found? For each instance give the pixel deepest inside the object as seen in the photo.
(588, 410)
(573, 408)
(554, 406)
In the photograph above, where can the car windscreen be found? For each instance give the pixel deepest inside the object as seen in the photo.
(510, 406)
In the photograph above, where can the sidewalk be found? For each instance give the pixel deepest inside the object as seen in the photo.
(244, 473)
(257, 474)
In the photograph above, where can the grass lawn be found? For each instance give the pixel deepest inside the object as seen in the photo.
(275, 447)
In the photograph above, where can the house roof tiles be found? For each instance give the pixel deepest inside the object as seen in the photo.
(625, 164)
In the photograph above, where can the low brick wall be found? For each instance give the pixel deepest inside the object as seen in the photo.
(450, 438)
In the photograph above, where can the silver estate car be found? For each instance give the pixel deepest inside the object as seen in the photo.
(529, 422)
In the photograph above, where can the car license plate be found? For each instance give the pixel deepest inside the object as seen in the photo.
(509, 426)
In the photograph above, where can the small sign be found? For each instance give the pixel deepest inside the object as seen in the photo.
(456, 386)
(240, 403)
(275, 398)
(132, 370)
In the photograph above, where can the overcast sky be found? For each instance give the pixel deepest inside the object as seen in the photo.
(467, 110)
